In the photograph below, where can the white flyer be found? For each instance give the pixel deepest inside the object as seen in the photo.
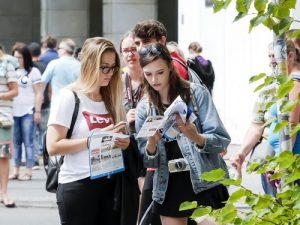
(165, 123)
(105, 158)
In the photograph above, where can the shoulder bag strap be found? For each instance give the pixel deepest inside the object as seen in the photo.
(74, 118)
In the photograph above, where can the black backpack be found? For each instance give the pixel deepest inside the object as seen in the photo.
(205, 72)
(52, 164)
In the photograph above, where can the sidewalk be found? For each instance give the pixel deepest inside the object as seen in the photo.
(33, 194)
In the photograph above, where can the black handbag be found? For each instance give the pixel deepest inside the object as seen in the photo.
(52, 164)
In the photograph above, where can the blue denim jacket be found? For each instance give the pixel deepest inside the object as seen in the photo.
(208, 124)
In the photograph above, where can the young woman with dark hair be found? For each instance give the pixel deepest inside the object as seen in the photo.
(198, 144)
(26, 112)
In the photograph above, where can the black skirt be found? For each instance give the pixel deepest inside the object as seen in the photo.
(180, 190)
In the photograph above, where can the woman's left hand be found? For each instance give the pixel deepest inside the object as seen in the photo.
(122, 143)
(37, 117)
(188, 129)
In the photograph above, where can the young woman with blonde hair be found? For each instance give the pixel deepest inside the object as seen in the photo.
(82, 200)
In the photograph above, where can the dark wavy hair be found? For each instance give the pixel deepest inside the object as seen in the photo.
(150, 29)
(178, 86)
(24, 51)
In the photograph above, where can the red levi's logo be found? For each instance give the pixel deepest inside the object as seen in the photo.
(97, 120)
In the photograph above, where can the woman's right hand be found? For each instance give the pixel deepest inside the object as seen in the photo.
(130, 116)
(152, 142)
(237, 161)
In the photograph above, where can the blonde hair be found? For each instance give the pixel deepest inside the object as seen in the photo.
(195, 47)
(173, 47)
(90, 58)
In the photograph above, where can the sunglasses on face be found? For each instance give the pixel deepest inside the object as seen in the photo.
(152, 49)
(107, 69)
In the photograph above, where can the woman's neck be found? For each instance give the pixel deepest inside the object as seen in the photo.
(95, 96)
(164, 96)
(135, 74)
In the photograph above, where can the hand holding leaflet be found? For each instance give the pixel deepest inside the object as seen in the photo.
(167, 123)
(105, 157)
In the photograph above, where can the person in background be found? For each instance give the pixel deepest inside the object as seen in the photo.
(153, 31)
(258, 129)
(35, 51)
(173, 47)
(8, 90)
(132, 93)
(201, 66)
(50, 53)
(64, 70)
(80, 199)
(26, 112)
(133, 79)
(293, 63)
(206, 135)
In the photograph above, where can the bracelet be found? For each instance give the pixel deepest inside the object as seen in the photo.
(88, 142)
(148, 149)
(37, 111)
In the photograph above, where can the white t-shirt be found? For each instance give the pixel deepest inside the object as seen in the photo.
(91, 115)
(25, 101)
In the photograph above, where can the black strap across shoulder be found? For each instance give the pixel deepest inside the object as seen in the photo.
(74, 118)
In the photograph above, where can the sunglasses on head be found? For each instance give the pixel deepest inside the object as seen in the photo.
(152, 49)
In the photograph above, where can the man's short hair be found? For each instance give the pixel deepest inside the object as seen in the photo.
(35, 49)
(150, 29)
(51, 42)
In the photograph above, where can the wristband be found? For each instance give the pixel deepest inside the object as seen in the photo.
(88, 142)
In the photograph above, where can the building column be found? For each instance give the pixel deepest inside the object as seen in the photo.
(120, 16)
(65, 19)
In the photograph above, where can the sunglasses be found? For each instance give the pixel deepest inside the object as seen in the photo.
(152, 49)
(107, 69)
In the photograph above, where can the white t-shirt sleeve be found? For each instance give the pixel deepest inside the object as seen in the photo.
(35, 75)
(62, 109)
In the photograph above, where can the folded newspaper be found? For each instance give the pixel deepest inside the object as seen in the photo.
(105, 157)
(167, 123)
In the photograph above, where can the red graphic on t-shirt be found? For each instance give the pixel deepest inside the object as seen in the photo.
(97, 120)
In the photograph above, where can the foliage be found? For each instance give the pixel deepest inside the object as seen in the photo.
(284, 209)
(274, 15)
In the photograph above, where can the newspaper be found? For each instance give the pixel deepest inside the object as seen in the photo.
(166, 124)
(105, 157)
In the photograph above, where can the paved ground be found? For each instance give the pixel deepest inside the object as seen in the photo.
(36, 206)
(32, 193)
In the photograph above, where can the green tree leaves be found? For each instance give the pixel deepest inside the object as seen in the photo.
(275, 16)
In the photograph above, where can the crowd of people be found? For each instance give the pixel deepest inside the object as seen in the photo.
(139, 80)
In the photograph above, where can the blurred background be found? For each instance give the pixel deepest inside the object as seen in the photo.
(235, 53)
